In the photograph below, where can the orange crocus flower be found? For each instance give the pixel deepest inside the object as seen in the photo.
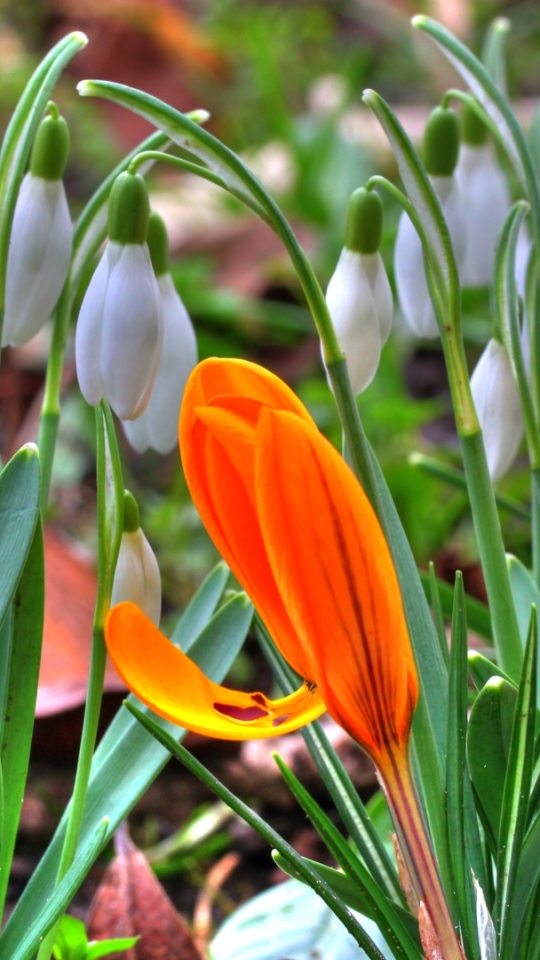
(294, 525)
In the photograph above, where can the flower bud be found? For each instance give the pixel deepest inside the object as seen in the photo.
(137, 576)
(120, 328)
(157, 427)
(359, 297)
(41, 236)
(498, 407)
(485, 198)
(440, 147)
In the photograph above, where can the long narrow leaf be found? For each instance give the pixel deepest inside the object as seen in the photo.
(19, 508)
(308, 875)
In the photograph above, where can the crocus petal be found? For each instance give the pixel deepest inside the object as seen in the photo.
(337, 580)
(157, 427)
(498, 407)
(224, 496)
(354, 315)
(38, 258)
(132, 332)
(89, 327)
(486, 202)
(137, 576)
(409, 269)
(168, 682)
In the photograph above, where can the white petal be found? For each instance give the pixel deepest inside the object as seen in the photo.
(132, 332)
(411, 282)
(354, 315)
(486, 202)
(382, 292)
(523, 250)
(137, 576)
(448, 193)
(157, 427)
(89, 327)
(499, 411)
(38, 258)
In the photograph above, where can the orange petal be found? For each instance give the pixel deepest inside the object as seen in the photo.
(168, 682)
(221, 407)
(334, 572)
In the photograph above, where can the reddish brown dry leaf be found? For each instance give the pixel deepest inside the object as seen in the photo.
(130, 901)
(428, 938)
(70, 596)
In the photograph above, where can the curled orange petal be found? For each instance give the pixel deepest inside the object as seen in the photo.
(174, 687)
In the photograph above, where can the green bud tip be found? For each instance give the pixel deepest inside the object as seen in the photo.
(131, 513)
(158, 244)
(51, 146)
(129, 209)
(365, 213)
(441, 142)
(475, 132)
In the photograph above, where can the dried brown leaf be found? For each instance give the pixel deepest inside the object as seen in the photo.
(130, 902)
(405, 879)
(428, 937)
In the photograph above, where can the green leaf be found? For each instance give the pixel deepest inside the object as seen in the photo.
(124, 769)
(19, 508)
(525, 593)
(289, 920)
(525, 888)
(308, 875)
(456, 478)
(198, 612)
(348, 892)
(483, 670)
(488, 746)
(103, 948)
(457, 779)
(338, 783)
(478, 616)
(71, 940)
(436, 607)
(382, 910)
(26, 628)
(494, 51)
(20, 135)
(43, 918)
(517, 785)
(110, 487)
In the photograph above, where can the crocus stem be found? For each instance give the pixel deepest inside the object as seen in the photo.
(50, 409)
(492, 555)
(399, 789)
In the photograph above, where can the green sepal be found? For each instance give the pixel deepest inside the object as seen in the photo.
(364, 226)
(474, 132)
(440, 145)
(488, 745)
(158, 244)
(132, 521)
(129, 209)
(51, 148)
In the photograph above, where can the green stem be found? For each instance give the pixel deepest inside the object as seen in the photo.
(535, 490)
(50, 409)
(492, 555)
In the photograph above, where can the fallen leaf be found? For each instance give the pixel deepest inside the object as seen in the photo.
(70, 597)
(130, 901)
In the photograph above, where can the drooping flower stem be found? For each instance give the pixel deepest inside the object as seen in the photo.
(416, 849)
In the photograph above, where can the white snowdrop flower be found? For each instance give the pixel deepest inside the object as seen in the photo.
(137, 576)
(498, 407)
(441, 146)
(485, 197)
(157, 427)
(41, 236)
(359, 296)
(120, 327)
(523, 250)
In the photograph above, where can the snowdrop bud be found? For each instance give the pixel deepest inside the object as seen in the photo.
(359, 297)
(137, 575)
(485, 198)
(157, 427)
(41, 236)
(440, 149)
(120, 327)
(498, 407)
